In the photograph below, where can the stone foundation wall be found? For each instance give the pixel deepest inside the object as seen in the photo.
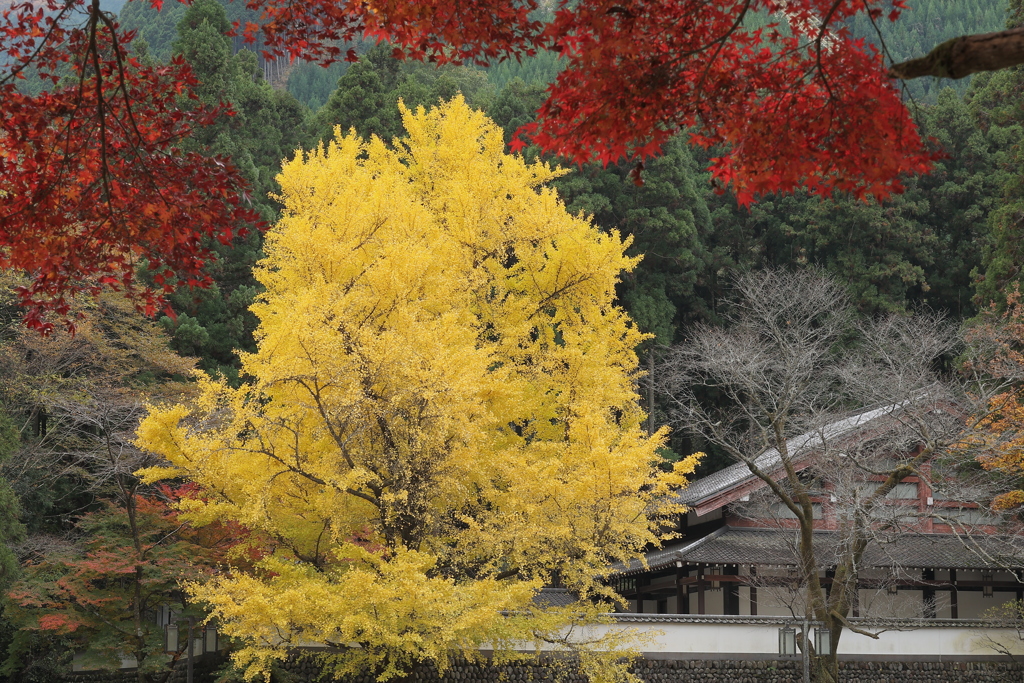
(306, 670)
(204, 670)
(714, 671)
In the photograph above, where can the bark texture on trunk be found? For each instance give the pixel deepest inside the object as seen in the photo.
(966, 55)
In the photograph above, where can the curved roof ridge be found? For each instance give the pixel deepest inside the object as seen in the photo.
(738, 473)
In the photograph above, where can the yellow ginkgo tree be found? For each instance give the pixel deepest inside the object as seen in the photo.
(441, 417)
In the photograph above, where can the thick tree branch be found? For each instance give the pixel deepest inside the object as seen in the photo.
(966, 55)
(836, 615)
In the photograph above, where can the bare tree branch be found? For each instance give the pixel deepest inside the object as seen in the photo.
(831, 412)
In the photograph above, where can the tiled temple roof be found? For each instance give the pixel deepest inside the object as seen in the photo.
(734, 475)
(555, 597)
(777, 547)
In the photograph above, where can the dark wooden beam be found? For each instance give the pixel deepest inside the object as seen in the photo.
(682, 596)
(700, 590)
(954, 607)
(753, 591)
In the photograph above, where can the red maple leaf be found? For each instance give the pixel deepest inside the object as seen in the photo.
(61, 623)
(95, 185)
(93, 182)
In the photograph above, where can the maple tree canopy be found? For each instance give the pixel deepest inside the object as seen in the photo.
(93, 184)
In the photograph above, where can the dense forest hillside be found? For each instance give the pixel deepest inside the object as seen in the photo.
(930, 246)
(923, 26)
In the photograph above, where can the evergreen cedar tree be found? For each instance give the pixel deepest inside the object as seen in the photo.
(94, 185)
(442, 417)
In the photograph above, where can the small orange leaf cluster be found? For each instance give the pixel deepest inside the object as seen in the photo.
(999, 433)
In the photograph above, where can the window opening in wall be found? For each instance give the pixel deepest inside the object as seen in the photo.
(903, 491)
(822, 641)
(780, 511)
(928, 594)
(787, 641)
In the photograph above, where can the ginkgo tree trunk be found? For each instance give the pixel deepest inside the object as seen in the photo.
(442, 416)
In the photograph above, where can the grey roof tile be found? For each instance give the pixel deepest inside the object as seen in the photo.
(555, 597)
(732, 476)
(730, 545)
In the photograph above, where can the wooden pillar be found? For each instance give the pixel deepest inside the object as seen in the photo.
(928, 594)
(682, 596)
(731, 591)
(753, 590)
(954, 609)
(700, 589)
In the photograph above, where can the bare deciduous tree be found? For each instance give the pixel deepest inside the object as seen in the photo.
(803, 392)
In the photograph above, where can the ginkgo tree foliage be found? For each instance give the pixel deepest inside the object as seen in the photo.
(96, 186)
(442, 417)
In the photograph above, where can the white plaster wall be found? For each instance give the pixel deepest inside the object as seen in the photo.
(714, 601)
(942, 605)
(973, 605)
(932, 641)
(725, 638)
(697, 636)
(700, 637)
(906, 604)
(773, 601)
(779, 601)
(744, 599)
